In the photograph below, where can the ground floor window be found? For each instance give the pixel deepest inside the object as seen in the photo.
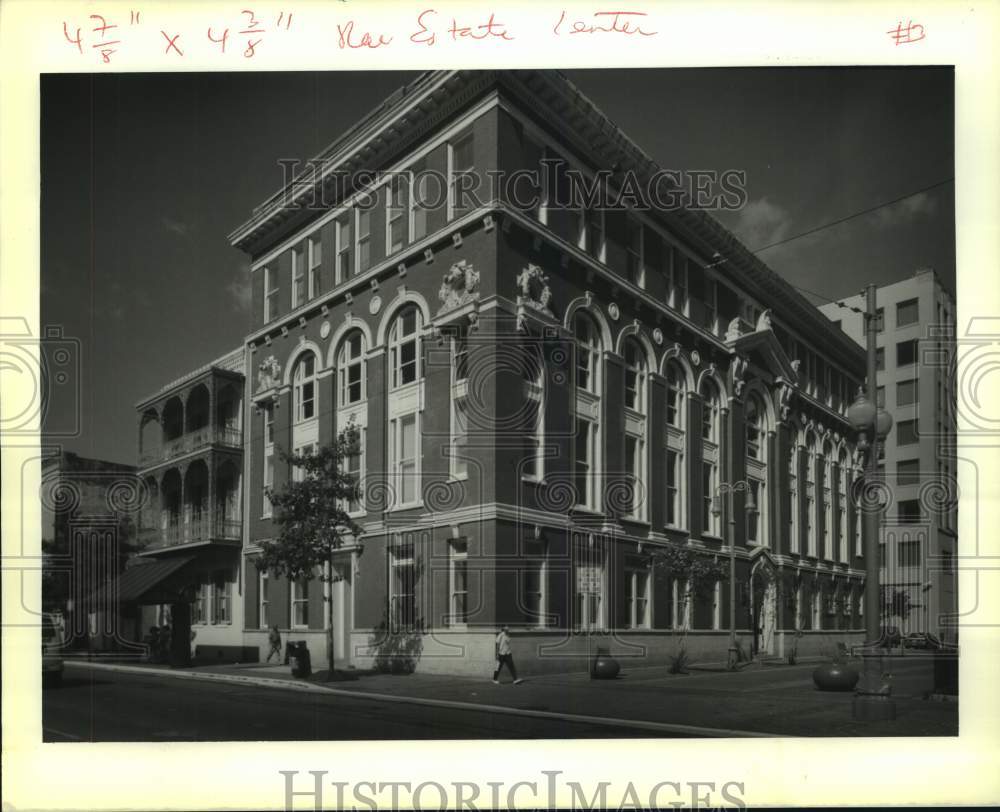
(458, 583)
(222, 594)
(589, 587)
(263, 582)
(717, 606)
(637, 582)
(680, 603)
(300, 603)
(402, 604)
(199, 608)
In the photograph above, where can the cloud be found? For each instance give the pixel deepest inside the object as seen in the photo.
(175, 226)
(906, 211)
(240, 289)
(761, 223)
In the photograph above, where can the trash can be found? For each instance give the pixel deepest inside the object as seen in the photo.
(298, 658)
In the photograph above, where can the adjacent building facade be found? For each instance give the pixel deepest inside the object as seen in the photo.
(547, 391)
(916, 336)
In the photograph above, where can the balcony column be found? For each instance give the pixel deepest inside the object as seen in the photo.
(185, 517)
(212, 529)
(214, 429)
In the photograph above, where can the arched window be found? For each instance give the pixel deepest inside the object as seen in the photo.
(351, 368)
(675, 395)
(842, 547)
(827, 473)
(710, 457)
(675, 442)
(635, 376)
(810, 494)
(404, 347)
(709, 412)
(756, 430)
(588, 353)
(793, 496)
(754, 418)
(304, 388)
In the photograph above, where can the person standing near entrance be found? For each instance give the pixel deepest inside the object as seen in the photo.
(504, 657)
(274, 639)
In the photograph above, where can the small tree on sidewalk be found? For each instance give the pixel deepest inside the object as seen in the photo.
(699, 574)
(312, 519)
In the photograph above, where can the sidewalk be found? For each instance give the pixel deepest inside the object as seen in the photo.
(768, 700)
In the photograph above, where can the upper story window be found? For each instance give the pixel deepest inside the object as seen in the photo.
(710, 412)
(907, 312)
(421, 196)
(754, 420)
(343, 249)
(675, 395)
(595, 233)
(533, 385)
(460, 356)
(350, 368)
(880, 320)
(315, 260)
(272, 309)
(396, 213)
(634, 265)
(304, 388)
(269, 425)
(635, 375)
(588, 353)
(461, 160)
(404, 347)
(363, 249)
(711, 302)
(298, 277)
(906, 353)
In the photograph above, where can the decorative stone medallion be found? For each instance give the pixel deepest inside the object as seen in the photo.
(375, 304)
(324, 330)
(695, 357)
(614, 311)
(658, 336)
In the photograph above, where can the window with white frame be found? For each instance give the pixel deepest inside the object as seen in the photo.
(584, 469)
(717, 606)
(304, 388)
(459, 356)
(351, 368)
(589, 586)
(459, 438)
(799, 608)
(842, 486)
(402, 597)
(396, 206)
(814, 608)
(298, 471)
(637, 595)
(298, 277)
(272, 307)
(711, 455)
(315, 245)
(199, 607)
(675, 395)
(268, 508)
(634, 264)
(343, 269)
(354, 463)
(595, 233)
(533, 382)
(810, 495)
(461, 163)
(709, 486)
(363, 239)
(420, 199)
(677, 289)
(299, 595)
(793, 496)
(635, 468)
(588, 353)
(404, 458)
(458, 583)
(710, 409)
(711, 304)
(675, 442)
(533, 584)
(754, 418)
(404, 347)
(222, 595)
(264, 600)
(673, 505)
(635, 376)
(680, 603)
(755, 518)
(827, 474)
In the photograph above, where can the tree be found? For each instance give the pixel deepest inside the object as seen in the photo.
(698, 572)
(896, 603)
(312, 519)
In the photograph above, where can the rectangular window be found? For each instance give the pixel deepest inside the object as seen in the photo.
(672, 492)
(680, 604)
(637, 597)
(351, 380)
(589, 587)
(343, 249)
(881, 556)
(711, 305)
(908, 472)
(272, 308)
(222, 593)
(533, 589)
(880, 359)
(906, 393)
(460, 358)
(402, 603)
(395, 213)
(298, 278)
(907, 312)
(268, 482)
(263, 584)
(534, 425)
(582, 462)
(300, 603)
(462, 162)
(363, 243)
(458, 585)
(707, 496)
(315, 261)
(906, 432)
(298, 472)
(908, 511)
(405, 447)
(354, 468)
(634, 269)
(908, 553)
(199, 607)
(459, 439)
(906, 353)
(879, 319)
(595, 234)
(679, 299)
(420, 196)
(753, 517)
(633, 463)
(880, 396)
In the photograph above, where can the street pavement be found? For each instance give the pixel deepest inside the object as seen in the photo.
(104, 705)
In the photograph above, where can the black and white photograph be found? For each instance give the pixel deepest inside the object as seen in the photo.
(494, 406)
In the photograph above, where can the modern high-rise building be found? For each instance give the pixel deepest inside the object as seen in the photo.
(916, 384)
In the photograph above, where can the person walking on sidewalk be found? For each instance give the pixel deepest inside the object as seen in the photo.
(504, 656)
(274, 639)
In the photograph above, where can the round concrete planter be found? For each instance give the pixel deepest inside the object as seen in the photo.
(604, 666)
(835, 677)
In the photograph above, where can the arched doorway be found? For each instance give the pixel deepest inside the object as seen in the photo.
(764, 605)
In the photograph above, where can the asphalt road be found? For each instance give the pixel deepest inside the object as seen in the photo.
(103, 706)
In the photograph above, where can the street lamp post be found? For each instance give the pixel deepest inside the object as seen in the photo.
(727, 489)
(871, 702)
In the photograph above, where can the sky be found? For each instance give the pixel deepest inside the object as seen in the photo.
(145, 175)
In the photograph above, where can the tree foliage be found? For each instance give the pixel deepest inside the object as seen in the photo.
(700, 571)
(311, 512)
(896, 603)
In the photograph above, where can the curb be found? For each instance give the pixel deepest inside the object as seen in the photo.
(265, 682)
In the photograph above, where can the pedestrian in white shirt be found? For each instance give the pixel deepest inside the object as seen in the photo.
(504, 656)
